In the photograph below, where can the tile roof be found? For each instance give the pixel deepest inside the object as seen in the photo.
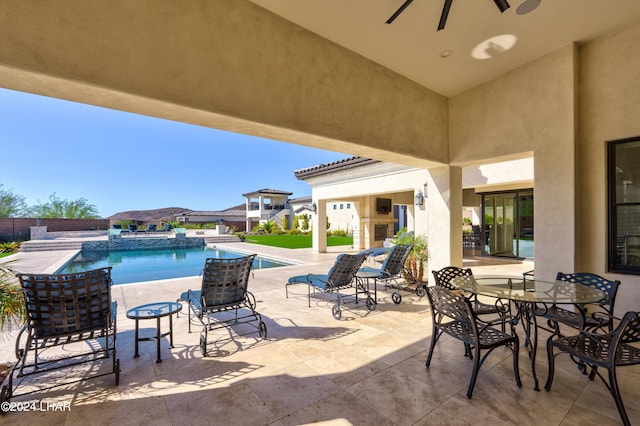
(322, 169)
(267, 191)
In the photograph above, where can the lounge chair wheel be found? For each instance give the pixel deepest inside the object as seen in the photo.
(371, 304)
(336, 311)
(396, 297)
(420, 291)
(262, 329)
(203, 345)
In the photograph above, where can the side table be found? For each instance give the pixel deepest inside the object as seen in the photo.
(365, 276)
(151, 311)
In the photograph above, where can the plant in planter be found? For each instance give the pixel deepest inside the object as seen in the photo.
(12, 309)
(419, 256)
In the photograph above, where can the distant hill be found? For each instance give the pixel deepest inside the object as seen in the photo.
(166, 214)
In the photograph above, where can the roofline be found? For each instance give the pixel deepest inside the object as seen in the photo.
(267, 191)
(340, 165)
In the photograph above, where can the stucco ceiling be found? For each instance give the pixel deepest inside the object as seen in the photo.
(484, 43)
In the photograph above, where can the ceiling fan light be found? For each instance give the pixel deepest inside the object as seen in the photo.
(502, 5)
(527, 6)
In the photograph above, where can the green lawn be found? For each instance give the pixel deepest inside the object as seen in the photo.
(295, 241)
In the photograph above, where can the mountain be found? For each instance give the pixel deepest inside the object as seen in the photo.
(166, 214)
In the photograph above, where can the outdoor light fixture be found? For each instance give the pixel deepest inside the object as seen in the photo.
(419, 198)
(314, 208)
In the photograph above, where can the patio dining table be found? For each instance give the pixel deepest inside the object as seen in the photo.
(530, 296)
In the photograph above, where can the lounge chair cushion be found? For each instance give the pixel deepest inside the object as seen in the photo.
(316, 280)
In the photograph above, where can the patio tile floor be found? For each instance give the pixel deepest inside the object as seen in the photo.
(366, 369)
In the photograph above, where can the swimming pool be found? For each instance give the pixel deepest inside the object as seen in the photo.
(134, 266)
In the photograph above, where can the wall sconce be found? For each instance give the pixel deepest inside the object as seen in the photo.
(419, 198)
(314, 208)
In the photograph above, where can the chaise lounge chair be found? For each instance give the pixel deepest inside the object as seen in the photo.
(392, 269)
(224, 289)
(71, 321)
(340, 277)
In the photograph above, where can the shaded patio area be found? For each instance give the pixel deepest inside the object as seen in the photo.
(366, 369)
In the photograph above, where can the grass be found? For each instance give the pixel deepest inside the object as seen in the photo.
(295, 241)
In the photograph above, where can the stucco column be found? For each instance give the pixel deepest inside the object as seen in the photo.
(444, 217)
(319, 224)
(555, 210)
(248, 219)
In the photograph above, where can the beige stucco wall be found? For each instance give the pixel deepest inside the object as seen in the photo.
(529, 110)
(609, 109)
(226, 64)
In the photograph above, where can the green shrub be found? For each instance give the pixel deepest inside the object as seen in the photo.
(10, 247)
(12, 309)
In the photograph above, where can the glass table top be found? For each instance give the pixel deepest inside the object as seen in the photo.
(153, 310)
(529, 290)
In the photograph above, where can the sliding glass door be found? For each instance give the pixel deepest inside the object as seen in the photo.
(508, 223)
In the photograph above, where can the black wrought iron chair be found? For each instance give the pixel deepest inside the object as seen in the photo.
(453, 314)
(392, 271)
(224, 289)
(341, 276)
(600, 316)
(70, 310)
(445, 276)
(601, 350)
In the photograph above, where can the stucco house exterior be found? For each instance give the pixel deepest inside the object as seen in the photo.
(354, 190)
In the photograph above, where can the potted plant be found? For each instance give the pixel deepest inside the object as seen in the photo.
(419, 256)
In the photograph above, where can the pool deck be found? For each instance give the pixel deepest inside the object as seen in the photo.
(366, 369)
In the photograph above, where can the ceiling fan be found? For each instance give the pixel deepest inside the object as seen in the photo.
(501, 4)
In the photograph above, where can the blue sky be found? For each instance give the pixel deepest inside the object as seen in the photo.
(120, 161)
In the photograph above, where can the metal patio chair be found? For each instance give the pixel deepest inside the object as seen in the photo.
(445, 276)
(600, 316)
(601, 351)
(453, 314)
(392, 271)
(71, 320)
(224, 291)
(341, 276)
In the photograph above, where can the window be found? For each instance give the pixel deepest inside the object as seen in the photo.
(341, 206)
(348, 205)
(335, 207)
(624, 205)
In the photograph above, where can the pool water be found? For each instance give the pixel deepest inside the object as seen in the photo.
(148, 265)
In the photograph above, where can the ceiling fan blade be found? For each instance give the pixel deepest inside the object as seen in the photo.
(399, 11)
(502, 5)
(445, 14)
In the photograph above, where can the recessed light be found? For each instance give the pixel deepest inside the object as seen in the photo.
(446, 53)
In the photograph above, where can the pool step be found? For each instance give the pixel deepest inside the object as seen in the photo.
(44, 245)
